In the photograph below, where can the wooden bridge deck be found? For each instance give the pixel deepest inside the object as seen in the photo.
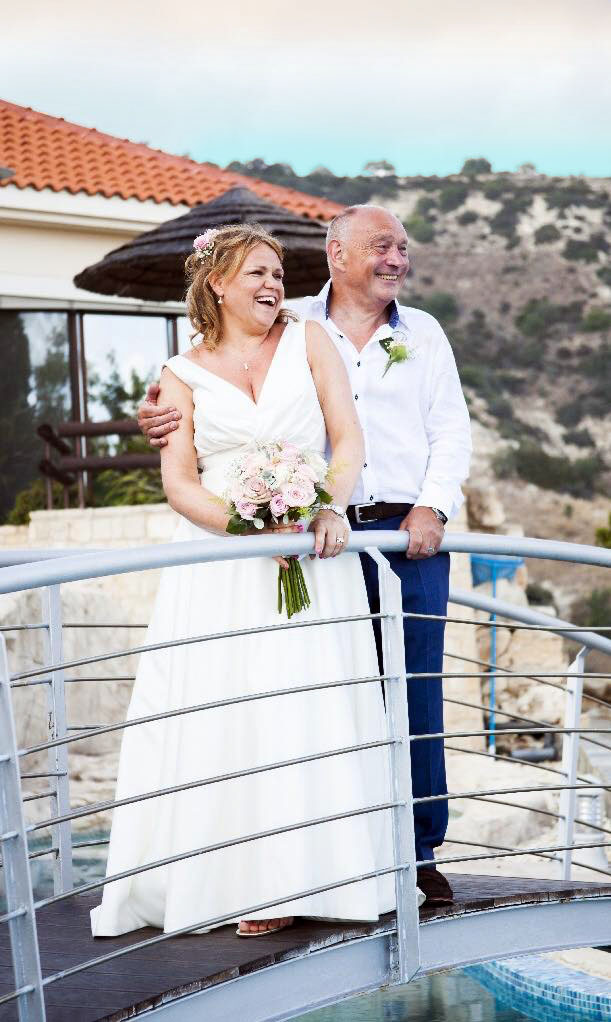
(134, 984)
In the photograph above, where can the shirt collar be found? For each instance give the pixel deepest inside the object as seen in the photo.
(324, 297)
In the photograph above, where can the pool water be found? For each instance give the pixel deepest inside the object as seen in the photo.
(446, 997)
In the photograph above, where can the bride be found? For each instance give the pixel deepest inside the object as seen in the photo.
(255, 375)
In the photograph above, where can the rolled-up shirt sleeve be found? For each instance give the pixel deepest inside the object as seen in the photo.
(448, 430)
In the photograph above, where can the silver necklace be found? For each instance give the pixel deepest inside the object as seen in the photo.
(251, 361)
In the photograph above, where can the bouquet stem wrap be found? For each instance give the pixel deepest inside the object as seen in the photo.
(276, 483)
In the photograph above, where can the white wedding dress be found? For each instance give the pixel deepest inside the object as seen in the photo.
(208, 598)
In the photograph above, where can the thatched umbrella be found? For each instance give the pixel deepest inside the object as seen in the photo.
(152, 266)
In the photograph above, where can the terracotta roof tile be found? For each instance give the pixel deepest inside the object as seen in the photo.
(49, 152)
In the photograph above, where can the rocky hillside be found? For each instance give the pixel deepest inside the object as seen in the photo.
(517, 267)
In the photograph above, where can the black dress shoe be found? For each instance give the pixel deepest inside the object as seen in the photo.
(434, 885)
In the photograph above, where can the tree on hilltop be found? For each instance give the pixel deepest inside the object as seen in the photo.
(476, 165)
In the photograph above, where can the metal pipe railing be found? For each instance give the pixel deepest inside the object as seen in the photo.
(57, 567)
(100, 807)
(180, 711)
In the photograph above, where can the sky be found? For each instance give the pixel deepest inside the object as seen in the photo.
(326, 82)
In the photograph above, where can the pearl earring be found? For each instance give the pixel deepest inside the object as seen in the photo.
(220, 299)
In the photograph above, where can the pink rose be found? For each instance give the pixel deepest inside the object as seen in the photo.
(304, 476)
(246, 509)
(254, 464)
(278, 506)
(254, 488)
(289, 452)
(298, 495)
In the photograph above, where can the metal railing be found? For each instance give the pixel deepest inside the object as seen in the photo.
(49, 572)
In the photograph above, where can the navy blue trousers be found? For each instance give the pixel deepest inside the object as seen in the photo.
(424, 587)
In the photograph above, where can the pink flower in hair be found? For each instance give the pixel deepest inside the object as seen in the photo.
(204, 243)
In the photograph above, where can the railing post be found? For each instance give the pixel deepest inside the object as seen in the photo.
(395, 688)
(17, 880)
(570, 757)
(61, 833)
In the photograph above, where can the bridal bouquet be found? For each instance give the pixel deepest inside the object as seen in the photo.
(273, 483)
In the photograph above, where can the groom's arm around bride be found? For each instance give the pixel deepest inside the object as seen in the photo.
(416, 429)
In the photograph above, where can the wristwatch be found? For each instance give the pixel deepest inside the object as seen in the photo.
(440, 515)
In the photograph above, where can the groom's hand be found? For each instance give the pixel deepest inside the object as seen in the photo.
(156, 422)
(425, 533)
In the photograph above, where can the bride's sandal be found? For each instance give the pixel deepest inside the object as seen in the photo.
(263, 933)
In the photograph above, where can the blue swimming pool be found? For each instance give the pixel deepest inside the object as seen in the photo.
(447, 997)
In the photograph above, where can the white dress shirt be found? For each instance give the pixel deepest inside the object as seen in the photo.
(414, 419)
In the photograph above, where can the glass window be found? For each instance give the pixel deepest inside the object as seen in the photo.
(123, 354)
(184, 330)
(34, 388)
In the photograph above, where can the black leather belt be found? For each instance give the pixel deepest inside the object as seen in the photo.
(377, 511)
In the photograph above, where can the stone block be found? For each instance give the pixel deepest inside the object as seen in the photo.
(160, 526)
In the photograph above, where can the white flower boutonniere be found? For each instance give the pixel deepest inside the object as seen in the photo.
(397, 349)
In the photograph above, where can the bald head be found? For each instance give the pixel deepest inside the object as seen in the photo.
(363, 216)
(367, 254)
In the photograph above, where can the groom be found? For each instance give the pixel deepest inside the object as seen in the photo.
(417, 449)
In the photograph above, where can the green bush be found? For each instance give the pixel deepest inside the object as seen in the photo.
(529, 355)
(593, 611)
(476, 165)
(506, 220)
(571, 413)
(597, 365)
(468, 217)
(504, 464)
(440, 304)
(140, 486)
(453, 196)
(474, 376)
(596, 319)
(546, 233)
(578, 477)
(419, 229)
(585, 251)
(604, 273)
(494, 189)
(536, 317)
(425, 204)
(579, 437)
(538, 595)
(576, 193)
(34, 498)
(603, 536)
(539, 315)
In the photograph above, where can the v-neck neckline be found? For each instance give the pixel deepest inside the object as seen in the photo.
(233, 386)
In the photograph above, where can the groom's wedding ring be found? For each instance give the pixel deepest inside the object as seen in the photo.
(430, 550)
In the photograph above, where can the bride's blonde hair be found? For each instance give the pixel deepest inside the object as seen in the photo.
(223, 257)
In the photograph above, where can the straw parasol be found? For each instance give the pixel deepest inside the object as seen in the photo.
(152, 266)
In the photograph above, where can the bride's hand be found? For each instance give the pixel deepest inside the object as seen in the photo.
(293, 527)
(331, 534)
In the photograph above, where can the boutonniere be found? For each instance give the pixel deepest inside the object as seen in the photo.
(397, 349)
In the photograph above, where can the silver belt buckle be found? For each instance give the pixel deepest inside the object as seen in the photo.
(357, 511)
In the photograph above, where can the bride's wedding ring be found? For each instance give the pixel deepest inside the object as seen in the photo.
(339, 540)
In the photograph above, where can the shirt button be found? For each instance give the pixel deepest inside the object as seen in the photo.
(358, 364)
(365, 465)
(371, 496)
(356, 397)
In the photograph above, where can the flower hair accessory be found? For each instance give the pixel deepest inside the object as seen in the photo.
(204, 243)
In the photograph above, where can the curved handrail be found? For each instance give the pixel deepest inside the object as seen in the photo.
(94, 564)
(502, 608)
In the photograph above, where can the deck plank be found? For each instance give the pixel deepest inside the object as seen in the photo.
(125, 986)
